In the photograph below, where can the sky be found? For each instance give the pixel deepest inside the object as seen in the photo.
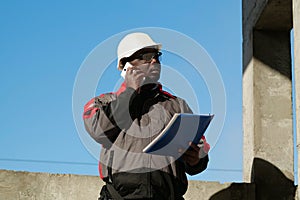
(45, 45)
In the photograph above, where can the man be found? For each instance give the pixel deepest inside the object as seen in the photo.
(126, 121)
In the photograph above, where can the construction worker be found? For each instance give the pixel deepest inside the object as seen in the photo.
(125, 121)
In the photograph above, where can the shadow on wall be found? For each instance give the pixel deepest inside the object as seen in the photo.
(273, 48)
(268, 182)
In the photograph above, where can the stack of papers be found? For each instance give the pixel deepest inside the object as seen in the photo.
(182, 129)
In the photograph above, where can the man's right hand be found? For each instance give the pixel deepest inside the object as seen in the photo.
(134, 77)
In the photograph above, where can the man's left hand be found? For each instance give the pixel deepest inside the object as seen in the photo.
(193, 155)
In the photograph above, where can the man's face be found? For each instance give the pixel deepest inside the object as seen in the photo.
(147, 60)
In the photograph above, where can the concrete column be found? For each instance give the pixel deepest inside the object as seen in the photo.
(273, 132)
(251, 12)
(267, 88)
(296, 25)
(269, 133)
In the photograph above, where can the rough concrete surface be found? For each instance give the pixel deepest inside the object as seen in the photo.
(44, 186)
(267, 86)
(203, 190)
(296, 27)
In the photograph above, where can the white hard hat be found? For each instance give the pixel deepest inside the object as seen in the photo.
(132, 43)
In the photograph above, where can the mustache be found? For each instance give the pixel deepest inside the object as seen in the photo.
(149, 68)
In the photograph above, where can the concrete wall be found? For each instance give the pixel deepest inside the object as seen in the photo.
(43, 186)
(267, 86)
(267, 96)
(296, 27)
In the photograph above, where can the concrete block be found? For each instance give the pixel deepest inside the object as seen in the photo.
(43, 186)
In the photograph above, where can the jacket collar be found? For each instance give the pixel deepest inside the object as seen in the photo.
(160, 90)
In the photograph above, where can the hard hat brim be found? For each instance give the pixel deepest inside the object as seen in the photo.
(157, 46)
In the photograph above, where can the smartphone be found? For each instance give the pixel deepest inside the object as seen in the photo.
(123, 73)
